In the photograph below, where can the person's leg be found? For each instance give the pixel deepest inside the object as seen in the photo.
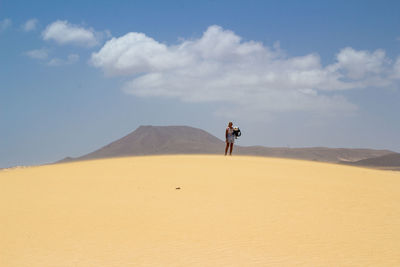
(226, 148)
(230, 151)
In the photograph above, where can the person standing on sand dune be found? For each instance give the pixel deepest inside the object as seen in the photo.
(230, 138)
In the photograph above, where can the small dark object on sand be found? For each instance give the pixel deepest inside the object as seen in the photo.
(177, 188)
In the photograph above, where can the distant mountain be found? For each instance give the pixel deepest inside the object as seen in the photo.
(161, 140)
(385, 161)
(314, 153)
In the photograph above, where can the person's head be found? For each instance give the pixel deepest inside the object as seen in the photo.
(230, 124)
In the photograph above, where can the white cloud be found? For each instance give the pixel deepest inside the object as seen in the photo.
(38, 54)
(5, 24)
(43, 55)
(358, 64)
(220, 66)
(30, 25)
(64, 32)
(71, 59)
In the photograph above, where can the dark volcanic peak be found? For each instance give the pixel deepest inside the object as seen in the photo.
(159, 140)
(153, 140)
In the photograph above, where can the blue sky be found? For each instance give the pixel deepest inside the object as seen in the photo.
(77, 75)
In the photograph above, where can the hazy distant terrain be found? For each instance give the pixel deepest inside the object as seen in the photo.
(161, 140)
(390, 161)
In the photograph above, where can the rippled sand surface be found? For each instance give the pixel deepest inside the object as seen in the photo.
(229, 211)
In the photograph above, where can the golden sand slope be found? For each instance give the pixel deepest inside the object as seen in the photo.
(230, 211)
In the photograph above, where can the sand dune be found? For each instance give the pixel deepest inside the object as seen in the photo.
(229, 211)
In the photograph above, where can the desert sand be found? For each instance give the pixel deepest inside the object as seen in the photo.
(229, 211)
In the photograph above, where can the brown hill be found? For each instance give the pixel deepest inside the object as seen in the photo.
(159, 140)
(314, 153)
(385, 161)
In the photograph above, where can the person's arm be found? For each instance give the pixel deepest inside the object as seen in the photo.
(226, 134)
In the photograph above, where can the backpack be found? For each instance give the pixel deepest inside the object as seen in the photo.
(236, 132)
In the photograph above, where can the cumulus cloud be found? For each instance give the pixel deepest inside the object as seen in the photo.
(220, 66)
(5, 24)
(38, 53)
(63, 33)
(71, 59)
(358, 64)
(30, 25)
